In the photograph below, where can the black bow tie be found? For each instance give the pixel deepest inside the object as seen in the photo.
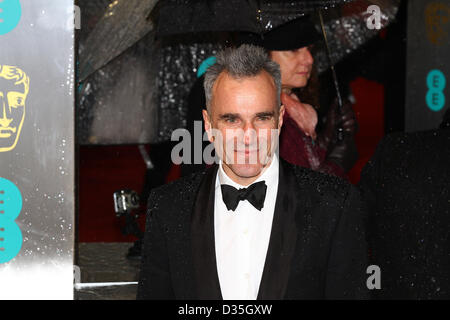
(255, 194)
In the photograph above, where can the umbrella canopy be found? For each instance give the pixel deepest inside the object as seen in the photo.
(118, 103)
(347, 29)
(259, 16)
(345, 21)
(126, 22)
(262, 16)
(122, 25)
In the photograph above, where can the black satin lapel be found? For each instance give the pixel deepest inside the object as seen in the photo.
(203, 242)
(282, 238)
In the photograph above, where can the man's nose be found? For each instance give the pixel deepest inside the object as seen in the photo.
(249, 133)
(4, 112)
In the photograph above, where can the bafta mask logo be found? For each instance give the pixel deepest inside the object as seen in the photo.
(437, 17)
(14, 87)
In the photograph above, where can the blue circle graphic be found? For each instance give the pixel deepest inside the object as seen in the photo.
(435, 100)
(11, 240)
(436, 80)
(10, 13)
(436, 83)
(10, 233)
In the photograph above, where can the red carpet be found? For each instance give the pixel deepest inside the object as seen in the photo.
(104, 170)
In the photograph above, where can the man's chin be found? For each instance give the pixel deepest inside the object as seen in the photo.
(246, 170)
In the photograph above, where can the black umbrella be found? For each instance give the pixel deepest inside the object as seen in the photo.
(123, 24)
(261, 16)
(349, 31)
(258, 16)
(345, 33)
(127, 21)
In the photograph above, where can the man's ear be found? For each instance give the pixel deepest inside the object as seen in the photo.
(208, 125)
(280, 118)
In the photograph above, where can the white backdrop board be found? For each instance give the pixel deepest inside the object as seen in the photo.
(36, 149)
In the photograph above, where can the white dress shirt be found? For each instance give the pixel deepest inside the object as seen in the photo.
(242, 236)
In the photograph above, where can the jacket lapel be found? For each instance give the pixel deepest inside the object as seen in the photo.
(282, 239)
(203, 241)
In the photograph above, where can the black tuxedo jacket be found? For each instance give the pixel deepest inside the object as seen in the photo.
(406, 185)
(317, 247)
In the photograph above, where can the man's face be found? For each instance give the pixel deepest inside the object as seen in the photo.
(12, 113)
(245, 121)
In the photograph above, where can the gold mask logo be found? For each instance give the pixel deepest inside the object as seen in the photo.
(437, 17)
(14, 88)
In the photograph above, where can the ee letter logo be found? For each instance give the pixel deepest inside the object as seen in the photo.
(435, 97)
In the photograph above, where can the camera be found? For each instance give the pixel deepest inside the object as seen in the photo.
(125, 201)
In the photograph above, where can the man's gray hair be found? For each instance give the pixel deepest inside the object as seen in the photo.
(245, 61)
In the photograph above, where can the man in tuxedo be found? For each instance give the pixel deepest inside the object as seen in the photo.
(406, 186)
(252, 226)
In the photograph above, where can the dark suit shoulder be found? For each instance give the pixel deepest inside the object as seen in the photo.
(411, 142)
(320, 184)
(423, 153)
(180, 185)
(169, 198)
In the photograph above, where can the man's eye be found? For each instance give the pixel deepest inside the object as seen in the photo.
(264, 118)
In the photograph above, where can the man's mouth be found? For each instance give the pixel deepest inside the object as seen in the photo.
(247, 154)
(246, 150)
